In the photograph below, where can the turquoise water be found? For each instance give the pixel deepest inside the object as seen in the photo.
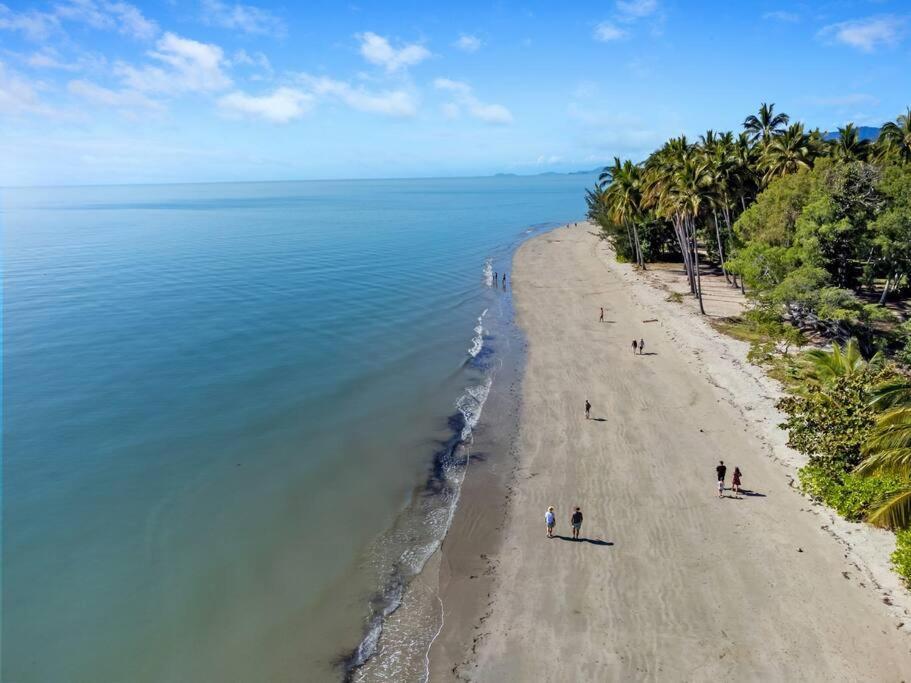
(219, 400)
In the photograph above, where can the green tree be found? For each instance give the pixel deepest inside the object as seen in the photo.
(895, 137)
(764, 125)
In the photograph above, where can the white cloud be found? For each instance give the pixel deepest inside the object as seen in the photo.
(188, 66)
(545, 160)
(464, 100)
(781, 15)
(19, 95)
(867, 34)
(33, 25)
(281, 106)
(120, 16)
(397, 103)
(606, 32)
(116, 99)
(244, 18)
(630, 10)
(377, 50)
(467, 43)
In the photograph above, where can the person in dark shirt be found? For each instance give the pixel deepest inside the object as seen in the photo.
(721, 470)
(588, 409)
(576, 521)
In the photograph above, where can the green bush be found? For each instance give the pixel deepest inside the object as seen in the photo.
(851, 495)
(901, 558)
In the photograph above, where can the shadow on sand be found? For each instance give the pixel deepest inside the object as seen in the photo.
(599, 419)
(593, 541)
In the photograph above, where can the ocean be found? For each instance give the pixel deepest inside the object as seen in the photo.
(234, 414)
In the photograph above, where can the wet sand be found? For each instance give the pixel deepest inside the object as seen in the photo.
(671, 583)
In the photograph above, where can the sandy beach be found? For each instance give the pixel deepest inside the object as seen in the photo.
(670, 582)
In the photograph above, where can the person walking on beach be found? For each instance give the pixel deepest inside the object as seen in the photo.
(588, 409)
(576, 521)
(641, 346)
(721, 470)
(635, 345)
(735, 482)
(550, 520)
(495, 278)
(601, 319)
(504, 280)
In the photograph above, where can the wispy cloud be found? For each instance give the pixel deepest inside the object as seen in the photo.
(464, 100)
(850, 100)
(120, 16)
(782, 15)
(185, 66)
(378, 50)
(867, 34)
(19, 95)
(280, 106)
(630, 10)
(606, 32)
(127, 100)
(243, 18)
(397, 103)
(468, 43)
(34, 25)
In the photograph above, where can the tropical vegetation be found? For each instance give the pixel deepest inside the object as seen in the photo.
(815, 228)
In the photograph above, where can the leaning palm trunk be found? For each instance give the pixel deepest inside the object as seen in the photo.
(639, 255)
(882, 299)
(720, 247)
(629, 237)
(683, 242)
(696, 265)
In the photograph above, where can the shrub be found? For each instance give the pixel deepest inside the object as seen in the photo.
(849, 494)
(901, 558)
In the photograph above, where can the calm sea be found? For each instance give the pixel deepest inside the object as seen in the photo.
(226, 407)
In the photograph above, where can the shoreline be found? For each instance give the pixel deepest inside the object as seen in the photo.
(520, 630)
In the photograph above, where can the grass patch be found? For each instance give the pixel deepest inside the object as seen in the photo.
(901, 558)
(675, 298)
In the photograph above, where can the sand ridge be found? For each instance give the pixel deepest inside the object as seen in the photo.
(678, 584)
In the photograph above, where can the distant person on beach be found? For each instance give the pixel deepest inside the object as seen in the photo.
(601, 319)
(588, 409)
(576, 521)
(495, 278)
(635, 345)
(641, 346)
(721, 470)
(735, 482)
(504, 280)
(550, 520)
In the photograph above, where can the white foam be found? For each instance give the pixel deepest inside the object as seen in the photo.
(470, 405)
(477, 342)
(488, 272)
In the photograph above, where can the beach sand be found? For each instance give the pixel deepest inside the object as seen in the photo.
(671, 582)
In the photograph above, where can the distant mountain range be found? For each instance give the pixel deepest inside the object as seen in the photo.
(865, 132)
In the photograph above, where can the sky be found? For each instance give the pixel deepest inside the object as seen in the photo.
(105, 91)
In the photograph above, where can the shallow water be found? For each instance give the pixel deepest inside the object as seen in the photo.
(222, 408)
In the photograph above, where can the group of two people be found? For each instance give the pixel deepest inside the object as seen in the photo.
(721, 470)
(550, 520)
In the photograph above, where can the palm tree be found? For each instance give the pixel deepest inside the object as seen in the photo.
(766, 125)
(824, 367)
(787, 153)
(888, 451)
(848, 146)
(895, 136)
(623, 195)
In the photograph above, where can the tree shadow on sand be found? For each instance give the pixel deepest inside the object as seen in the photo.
(593, 541)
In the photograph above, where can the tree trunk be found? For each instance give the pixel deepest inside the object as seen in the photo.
(683, 241)
(638, 247)
(629, 238)
(696, 267)
(882, 299)
(720, 248)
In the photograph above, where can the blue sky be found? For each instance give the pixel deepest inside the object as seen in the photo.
(104, 91)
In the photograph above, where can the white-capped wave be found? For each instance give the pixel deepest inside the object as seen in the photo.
(477, 342)
(471, 403)
(488, 272)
